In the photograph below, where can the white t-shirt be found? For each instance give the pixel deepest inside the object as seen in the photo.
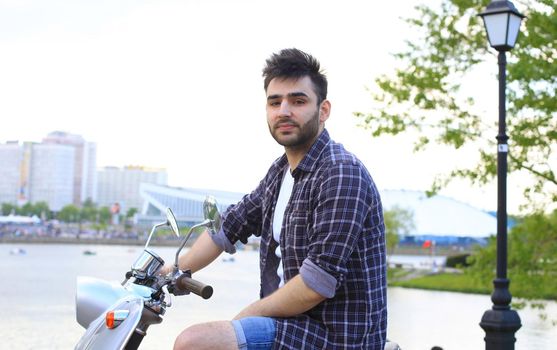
(283, 198)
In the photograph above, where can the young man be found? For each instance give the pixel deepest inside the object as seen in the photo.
(319, 216)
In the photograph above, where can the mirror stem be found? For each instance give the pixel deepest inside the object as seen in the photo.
(204, 223)
(152, 232)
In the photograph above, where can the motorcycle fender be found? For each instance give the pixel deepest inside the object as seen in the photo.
(93, 296)
(99, 337)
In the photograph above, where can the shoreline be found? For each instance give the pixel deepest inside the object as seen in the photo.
(155, 242)
(170, 242)
(88, 241)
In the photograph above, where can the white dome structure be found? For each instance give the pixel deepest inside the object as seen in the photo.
(440, 215)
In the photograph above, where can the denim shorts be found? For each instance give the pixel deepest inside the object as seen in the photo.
(255, 333)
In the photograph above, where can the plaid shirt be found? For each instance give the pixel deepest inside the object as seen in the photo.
(333, 235)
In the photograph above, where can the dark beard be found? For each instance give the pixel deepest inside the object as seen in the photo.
(308, 133)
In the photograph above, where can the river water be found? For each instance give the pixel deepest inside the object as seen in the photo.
(37, 296)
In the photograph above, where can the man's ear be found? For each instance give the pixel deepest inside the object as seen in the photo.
(325, 111)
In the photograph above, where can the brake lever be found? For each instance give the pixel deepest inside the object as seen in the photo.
(167, 296)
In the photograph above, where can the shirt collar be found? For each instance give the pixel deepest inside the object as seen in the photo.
(309, 161)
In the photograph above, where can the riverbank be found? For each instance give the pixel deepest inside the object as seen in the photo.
(165, 241)
(89, 240)
(455, 280)
(171, 241)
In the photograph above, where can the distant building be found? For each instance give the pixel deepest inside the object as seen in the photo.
(85, 164)
(441, 215)
(14, 172)
(60, 171)
(442, 218)
(186, 203)
(51, 174)
(121, 185)
(34, 172)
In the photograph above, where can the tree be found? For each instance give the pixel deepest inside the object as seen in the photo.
(69, 213)
(42, 210)
(532, 252)
(398, 221)
(131, 212)
(8, 208)
(424, 95)
(104, 215)
(89, 211)
(27, 209)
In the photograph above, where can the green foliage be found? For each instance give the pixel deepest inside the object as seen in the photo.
(131, 212)
(69, 213)
(88, 211)
(398, 221)
(447, 282)
(8, 208)
(40, 209)
(459, 260)
(104, 215)
(532, 258)
(397, 273)
(423, 95)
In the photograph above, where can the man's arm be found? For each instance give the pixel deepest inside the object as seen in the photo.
(203, 252)
(292, 299)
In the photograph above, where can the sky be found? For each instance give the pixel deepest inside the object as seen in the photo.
(177, 84)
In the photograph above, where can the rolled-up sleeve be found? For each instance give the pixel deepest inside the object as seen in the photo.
(318, 279)
(223, 242)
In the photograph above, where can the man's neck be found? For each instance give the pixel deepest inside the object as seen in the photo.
(296, 154)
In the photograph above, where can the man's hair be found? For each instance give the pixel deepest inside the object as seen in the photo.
(296, 64)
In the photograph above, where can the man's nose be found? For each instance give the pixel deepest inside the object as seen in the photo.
(284, 109)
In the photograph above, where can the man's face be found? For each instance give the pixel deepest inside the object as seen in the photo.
(294, 117)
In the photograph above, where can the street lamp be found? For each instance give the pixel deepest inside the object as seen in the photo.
(502, 23)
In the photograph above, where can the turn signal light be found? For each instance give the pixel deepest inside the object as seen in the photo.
(115, 317)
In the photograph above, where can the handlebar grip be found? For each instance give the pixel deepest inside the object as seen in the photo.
(189, 284)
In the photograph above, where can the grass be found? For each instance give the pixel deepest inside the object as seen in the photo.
(395, 274)
(464, 283)
(451, 282)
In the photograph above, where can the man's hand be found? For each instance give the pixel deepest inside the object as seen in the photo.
(166, 269)
(294, 298)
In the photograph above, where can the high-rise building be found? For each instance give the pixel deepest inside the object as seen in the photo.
(121, 185)
(14, 172)
(85, 164)
(60, 171)
(52, 174)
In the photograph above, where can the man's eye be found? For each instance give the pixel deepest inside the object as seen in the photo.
(300, 102)
(274, 103)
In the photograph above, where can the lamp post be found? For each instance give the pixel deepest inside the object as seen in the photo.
(502, 22)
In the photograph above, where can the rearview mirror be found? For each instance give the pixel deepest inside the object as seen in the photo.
(211, 212)
(171, 221)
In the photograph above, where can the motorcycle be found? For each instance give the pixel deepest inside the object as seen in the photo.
(117, 315)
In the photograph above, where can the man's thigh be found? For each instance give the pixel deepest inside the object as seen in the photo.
(217, 335)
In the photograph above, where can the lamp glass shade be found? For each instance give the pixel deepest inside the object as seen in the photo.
(514, 28)
(496, 26)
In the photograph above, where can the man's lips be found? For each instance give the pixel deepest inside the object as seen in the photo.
(285, 126)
